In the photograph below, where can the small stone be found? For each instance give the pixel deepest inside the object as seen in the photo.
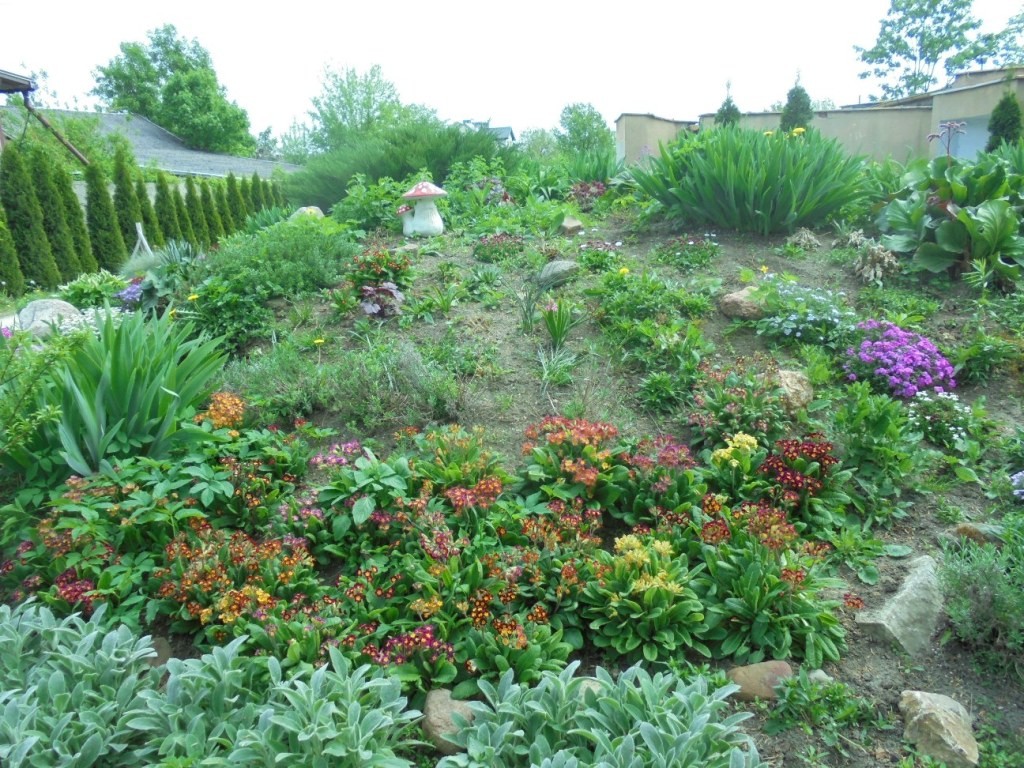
(940, 727)
(820, 676)
(38, 317)
(557, 272)
(797, 392)
(758, 681)
(163, 652)
(741, 306)
(307, 210)
(911, 616)
(570, 226)
(438, 722)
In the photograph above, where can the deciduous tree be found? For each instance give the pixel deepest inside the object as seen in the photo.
(582, 130)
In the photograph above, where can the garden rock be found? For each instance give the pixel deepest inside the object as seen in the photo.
(308, 210)
(438, 722)
(163, 652)
(980, 533)
(570, 226)
(911, 616)
(758, 681)
(797, 392)
(741, 306)
(39, 316)
(820, 677)
(939, 727)
(557, 272)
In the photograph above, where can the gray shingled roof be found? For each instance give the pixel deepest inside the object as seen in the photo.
(155, 147)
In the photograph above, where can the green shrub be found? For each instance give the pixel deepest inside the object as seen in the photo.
(65, 255)
(75, 218)
(104, 233)
(126, 202)
(122, 392)
(25, 221)
(92, 289)
(150, 224)
(752, 182)
(214, 226)
(196, 214)
(188, 233)
(1004, 124)
(166, 212)
(12, 281)
(635, 719)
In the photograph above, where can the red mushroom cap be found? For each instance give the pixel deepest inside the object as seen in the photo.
(403, 209)
(424, 191)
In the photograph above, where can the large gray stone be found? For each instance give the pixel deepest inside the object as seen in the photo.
(557, 272)
(570, 226)
(911, 616)
(39, 316)
(741, 305)
(437, 720)
(940, 727)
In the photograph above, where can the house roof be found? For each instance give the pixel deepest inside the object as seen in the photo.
(12, 83)
(155, 147)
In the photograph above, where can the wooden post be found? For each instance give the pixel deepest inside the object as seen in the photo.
(46, 124)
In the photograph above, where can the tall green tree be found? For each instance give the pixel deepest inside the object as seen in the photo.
(797, 113)
(728, 113)
(239, 210)
(213, 224)
(25, 220)
(166, 211)
(126, 202)
(12, 282)
(582, 130)
(196, 215)
(74, 215)
(171, 81)
(188, 233)
(919, 38)
(62, 245)
(256, 191)
(104, 233)
(1004, 124)
(227, 221)
(245, 189)
(352, 103)
(150, 223)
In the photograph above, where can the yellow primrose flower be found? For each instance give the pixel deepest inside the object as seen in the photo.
(662, 548)
(627, 543)
(624, 271)
(743, 441)
(193, 296)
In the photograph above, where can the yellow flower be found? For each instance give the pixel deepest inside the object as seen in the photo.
(624, 271)
(193, 296)
(627, 543)
(798, 131)
(662, 548)
(173, 312)
(318, 342)
(764, 269)
(743, 441)
(769, 133)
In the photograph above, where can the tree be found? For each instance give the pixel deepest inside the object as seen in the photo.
(171, 81)
(194, 206)
(582, 130)
(239, 211)
(352, 103)
(188, 233)
(104, 233)
(245, 189)
(797, 113)
(538, 143)
(213, 225)
(12, 282)
(227, 221)
(728, 113)
(256, 192)
(1004, 124)
(74, 215)
(51, 203)
(126, 202)
(917, 36)
(150, 223)
(166, 212)
(25, 220)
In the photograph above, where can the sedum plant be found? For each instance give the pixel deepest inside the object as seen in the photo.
(634, 720)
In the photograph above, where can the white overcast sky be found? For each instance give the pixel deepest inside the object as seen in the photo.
(515, 64)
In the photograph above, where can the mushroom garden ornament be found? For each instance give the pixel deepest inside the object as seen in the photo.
(406, 216)
(425, 220)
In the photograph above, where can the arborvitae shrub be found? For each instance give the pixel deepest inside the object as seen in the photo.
(74, 215)
(25, 220)
(62, 245)
(245, 188)
(256, 193)
(213, 225)
(126, 202)
(150, 223)
(239, 210)
(728, 113)
(797, 113)
(12, 282)
(1005, 122)
(187, 233)
(227, 221)
(166, 212)
(196, 215)
(104, 233)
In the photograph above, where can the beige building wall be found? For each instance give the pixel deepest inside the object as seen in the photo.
(972, 105)
(638, 136)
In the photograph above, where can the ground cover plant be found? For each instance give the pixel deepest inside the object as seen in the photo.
(575, 501)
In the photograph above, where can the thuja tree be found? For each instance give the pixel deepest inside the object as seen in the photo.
(184, 222)
(1004, 125)
(239, 211)
(150, 223)
(213, 224)
(62, 245)
(728, 113)
(256, 192)
(227, 221)
(25, 220)
(12, 282)
(74, 215)
(196, 215)
(798, 112)
(166, 213)
(126, 202)
(104, 233)
(245, 188)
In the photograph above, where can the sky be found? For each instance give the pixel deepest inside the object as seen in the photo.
(515, 64)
